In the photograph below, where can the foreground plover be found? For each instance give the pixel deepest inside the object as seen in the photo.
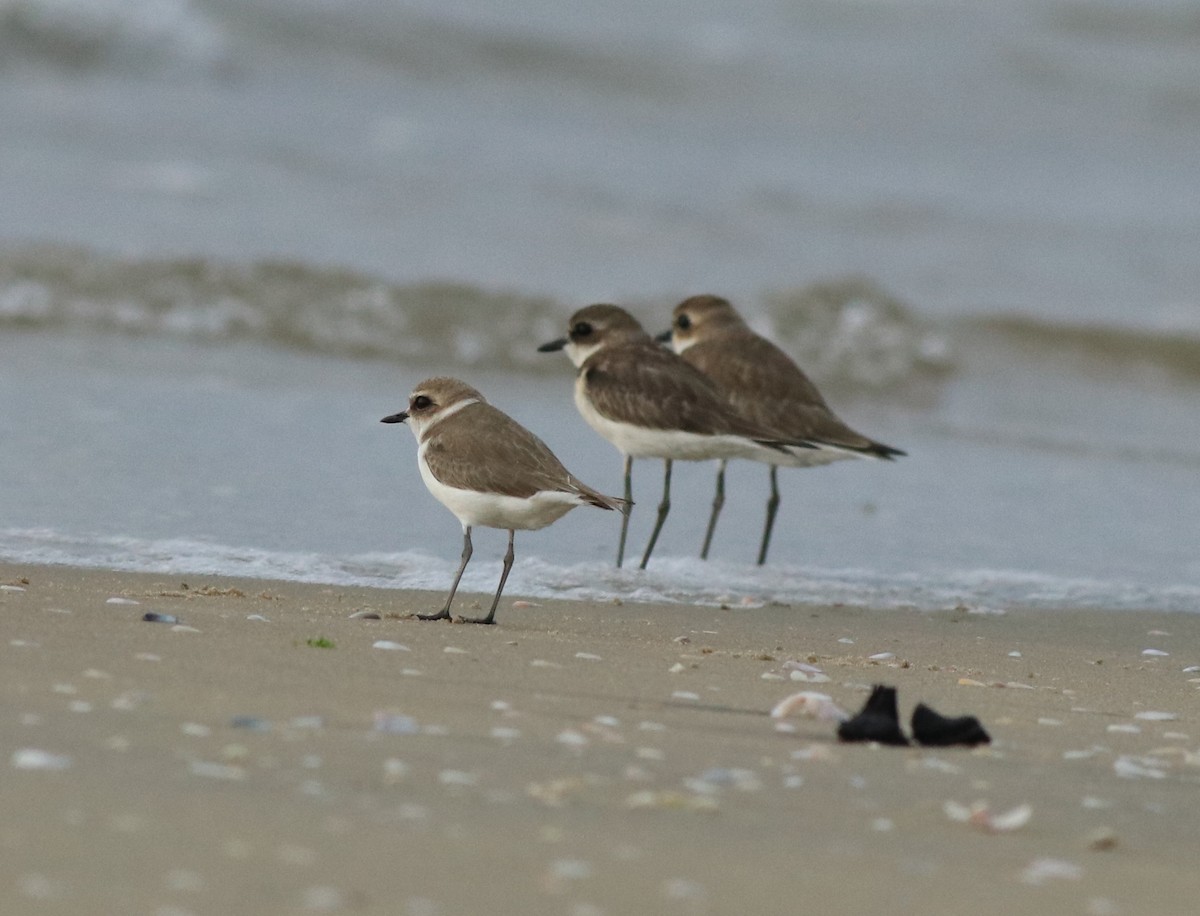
(649, 403)
(765, 386)
(488, 470)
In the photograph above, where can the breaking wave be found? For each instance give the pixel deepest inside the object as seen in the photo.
(136, 34)
(849, 333)
(1172, 351)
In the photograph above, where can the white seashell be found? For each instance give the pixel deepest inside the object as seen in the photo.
(1191, 669)
(957, 812)
(846, 641)
(121, 601)
(1155, 653)
(1014, 654)
(388, 644)
(216, 770)
(1039, 871)
(677, 668)
(1152, 716)
(809, 704)
(684, 695)
(542, 663)
(30, 758)
(588, 657)
(571, 738)
(937, 765)
(394, 770)
(1138, 768)
(881, 656)
(1124, 729)
(980, 815)
(801, 666)
(570, 869)
(1012, 820)
(815, 678)
(454, 650)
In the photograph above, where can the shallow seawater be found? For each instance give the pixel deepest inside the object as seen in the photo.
(144, 453)
(236, 233)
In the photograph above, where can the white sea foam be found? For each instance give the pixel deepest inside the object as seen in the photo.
(670, 580)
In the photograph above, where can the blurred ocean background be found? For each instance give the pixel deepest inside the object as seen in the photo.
(235, 233)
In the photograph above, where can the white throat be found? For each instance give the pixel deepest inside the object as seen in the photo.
(421, 428)
(579, 353)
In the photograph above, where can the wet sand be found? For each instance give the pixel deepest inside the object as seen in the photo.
(267, 755)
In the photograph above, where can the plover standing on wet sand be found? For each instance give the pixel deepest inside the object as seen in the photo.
(649, 403)
(765, 386)
(488, 470)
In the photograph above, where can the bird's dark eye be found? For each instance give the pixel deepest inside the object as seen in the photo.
(421, 402)
(683, 322)
(581, 329)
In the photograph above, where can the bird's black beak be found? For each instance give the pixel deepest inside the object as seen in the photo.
(396, 417)
(553, 346)
(664, 337)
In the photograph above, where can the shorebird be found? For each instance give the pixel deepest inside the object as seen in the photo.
(650, 403)
(765, 386)
(488, 470)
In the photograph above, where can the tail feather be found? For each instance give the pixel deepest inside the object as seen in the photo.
(870, 450)
(600, 501)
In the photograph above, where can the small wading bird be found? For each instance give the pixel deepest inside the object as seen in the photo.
(649, 403)
(762, 384)
(488, 470)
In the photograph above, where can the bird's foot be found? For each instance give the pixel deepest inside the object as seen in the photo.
(443, 614)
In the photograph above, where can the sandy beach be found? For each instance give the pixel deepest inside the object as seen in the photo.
(270, 753)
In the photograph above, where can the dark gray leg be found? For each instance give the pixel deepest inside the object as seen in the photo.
(444, 613)
(508, 562)
(663, 508)
(628, 509)
(772, 508)
(718, 502)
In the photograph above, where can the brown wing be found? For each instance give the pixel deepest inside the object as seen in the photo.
(482, 448)
(764, 385)
(650, 387)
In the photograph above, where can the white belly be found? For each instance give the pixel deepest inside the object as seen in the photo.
(644, 442)
(493, 510)
(805, 457)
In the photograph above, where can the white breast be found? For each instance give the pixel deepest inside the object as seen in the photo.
(495, 510)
